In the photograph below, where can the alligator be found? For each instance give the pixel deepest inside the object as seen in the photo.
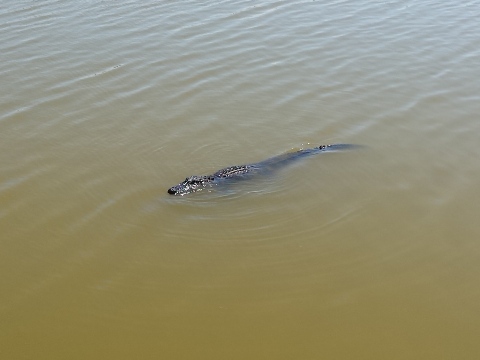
(239, 172)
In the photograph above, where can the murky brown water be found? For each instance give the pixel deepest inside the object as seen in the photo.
(372, 254)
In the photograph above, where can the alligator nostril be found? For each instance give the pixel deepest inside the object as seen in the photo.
(171, 191)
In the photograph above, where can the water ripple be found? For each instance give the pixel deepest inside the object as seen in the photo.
(105, 105)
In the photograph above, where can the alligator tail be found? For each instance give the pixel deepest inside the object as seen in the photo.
(339, 147)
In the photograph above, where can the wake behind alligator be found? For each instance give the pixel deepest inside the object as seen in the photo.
(240, 172)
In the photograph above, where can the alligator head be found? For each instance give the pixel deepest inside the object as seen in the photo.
(191, 184)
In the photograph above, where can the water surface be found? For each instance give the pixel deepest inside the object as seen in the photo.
(369, 254)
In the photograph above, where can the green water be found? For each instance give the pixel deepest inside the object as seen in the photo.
(369, 254)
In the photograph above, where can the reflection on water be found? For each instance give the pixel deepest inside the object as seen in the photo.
(366, 254)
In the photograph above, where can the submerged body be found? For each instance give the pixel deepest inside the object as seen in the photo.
(198, 183)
